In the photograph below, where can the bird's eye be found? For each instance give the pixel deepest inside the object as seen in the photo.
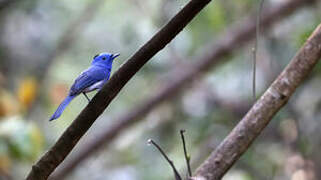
(104, 58)
(96, 56)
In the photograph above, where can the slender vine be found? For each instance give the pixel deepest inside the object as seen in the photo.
(254, 50)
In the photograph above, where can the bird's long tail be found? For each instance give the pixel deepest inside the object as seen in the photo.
(61, 107)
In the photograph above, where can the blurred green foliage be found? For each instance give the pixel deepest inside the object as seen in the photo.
(24, 139)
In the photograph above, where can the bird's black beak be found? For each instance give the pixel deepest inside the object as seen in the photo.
(115, 55)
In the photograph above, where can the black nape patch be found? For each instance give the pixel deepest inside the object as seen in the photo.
(96, 56)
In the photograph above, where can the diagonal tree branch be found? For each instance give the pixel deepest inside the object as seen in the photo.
(218, 50)
(47, 164)
(235, 38)
(241, 137)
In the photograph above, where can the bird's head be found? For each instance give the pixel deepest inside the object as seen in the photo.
(104, 59)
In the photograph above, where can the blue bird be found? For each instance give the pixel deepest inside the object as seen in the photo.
(89, 80)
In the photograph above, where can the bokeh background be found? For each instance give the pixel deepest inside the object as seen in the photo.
(44, 45)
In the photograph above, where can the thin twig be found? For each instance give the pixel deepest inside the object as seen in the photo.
(177, 176)
(187, 157)
(254, 50)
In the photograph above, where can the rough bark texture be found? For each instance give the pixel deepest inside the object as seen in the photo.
(47, 164)
(241, 137)
(236, 37)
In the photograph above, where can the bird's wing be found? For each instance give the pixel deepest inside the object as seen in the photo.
(86, 79)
